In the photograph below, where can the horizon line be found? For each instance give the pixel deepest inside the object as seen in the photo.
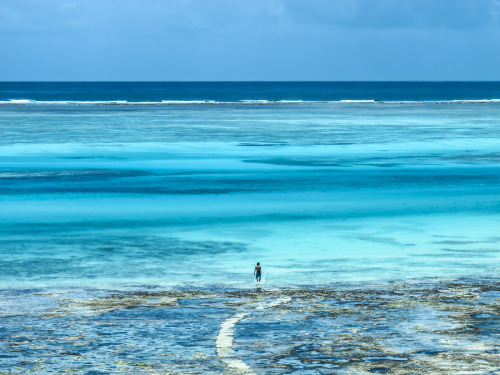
(254, 81)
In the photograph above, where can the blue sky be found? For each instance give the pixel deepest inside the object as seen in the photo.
(249, 40)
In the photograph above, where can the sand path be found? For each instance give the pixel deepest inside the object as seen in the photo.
(224, 342)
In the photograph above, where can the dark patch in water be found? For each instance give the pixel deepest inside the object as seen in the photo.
(385, 165)
(386, 358)
(69, 174)
(491, 157)
(94, 256)
(296, 162)
(255, 144)
(386, 240)
(464, 242)
(429, 352)
(381, 370)
(472, 251)
(91, 157)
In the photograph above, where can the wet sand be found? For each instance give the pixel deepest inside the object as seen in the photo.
(445, 327)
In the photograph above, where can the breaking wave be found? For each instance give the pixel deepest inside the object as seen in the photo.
(32, 102)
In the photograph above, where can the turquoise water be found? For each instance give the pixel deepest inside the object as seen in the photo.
(178, 195)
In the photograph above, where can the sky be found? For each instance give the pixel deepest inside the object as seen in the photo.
(249, 40)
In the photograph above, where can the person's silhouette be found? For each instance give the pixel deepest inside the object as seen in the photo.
(257, 271)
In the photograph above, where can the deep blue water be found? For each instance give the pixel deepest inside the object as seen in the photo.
(238, 91)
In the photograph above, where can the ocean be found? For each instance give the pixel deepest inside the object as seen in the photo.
(114, 187)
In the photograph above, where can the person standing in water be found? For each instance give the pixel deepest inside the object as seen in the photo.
(257, 271)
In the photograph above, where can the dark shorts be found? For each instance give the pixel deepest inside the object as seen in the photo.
(257, 276)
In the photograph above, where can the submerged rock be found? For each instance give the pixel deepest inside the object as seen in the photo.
(406, 328)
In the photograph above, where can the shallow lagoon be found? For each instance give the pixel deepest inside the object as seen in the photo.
(205, 213)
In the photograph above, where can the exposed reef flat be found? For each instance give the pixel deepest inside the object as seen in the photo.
(446, 327)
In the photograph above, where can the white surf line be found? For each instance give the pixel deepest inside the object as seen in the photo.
(224, 342)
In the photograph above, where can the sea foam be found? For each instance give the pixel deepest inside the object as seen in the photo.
(32, 102)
